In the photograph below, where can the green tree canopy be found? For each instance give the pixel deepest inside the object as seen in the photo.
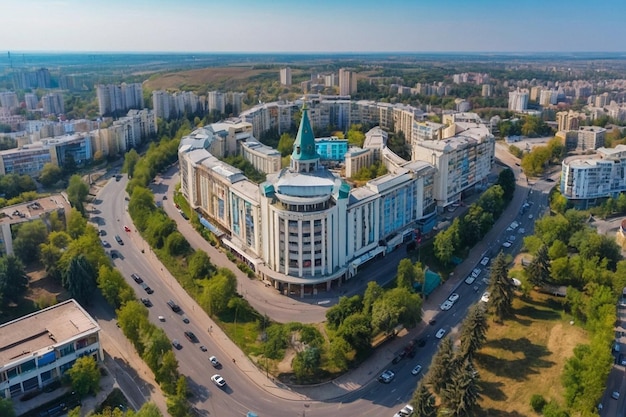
(85, 376)
(27, 240)
(13, 278)
(344, 308)
(77, 192)
(50, 174)
(79, 279)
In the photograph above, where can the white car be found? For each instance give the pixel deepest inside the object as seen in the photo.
(470, 280)
(214, 362)
(446, 305)
(484, 261)
(507, 244)
(218, 380)
(521, 231)
(161, 318)
(485, 297)
(387, 376)
(416, 370)
(453, 297)
(615, 395)
(440, 333)
(406, 411)
(476, 272)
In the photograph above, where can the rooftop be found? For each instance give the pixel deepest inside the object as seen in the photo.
(19, 213)
(39, 331)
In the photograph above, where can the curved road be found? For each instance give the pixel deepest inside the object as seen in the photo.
(248, 388)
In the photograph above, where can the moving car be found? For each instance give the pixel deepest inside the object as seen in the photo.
(126, 229)
(136, 278)
(203, 348)
(214, 362)
(387, 376)
(119, 240)
(177, 344)
(615, 395)
(146, 302)
(218, 380)
(446, 305)
(106, 244)
(453, 297)
(161, 318)
(191, 336)
(186, 319)
(175, 308)
(406, 411)
(146, 288)
(416, 370)
(440, 333)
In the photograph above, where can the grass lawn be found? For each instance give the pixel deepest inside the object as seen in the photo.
(525, 355)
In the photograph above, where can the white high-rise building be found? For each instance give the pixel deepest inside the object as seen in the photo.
(285, 76)
(8, 100)
(31, 101)
(216, 102)
(518, 100)
(161, 102)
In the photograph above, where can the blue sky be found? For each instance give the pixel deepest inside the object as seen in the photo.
(313, 26)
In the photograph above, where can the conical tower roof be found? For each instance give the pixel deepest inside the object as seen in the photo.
(304, 145)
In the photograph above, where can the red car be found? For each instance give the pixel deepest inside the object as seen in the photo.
(126, 229)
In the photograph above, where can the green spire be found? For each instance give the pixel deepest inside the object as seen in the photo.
(304, 145)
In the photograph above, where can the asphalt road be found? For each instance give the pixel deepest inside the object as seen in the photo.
(248, 388)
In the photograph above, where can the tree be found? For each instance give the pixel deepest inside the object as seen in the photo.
(13, 278)
(473, 332)
(29, 236)
(445, 243)
(167, 373)
(461, 393)
(219, 291)
(176, 244)
(338, 353)
(200, 266)
(155, 343)
(50, 174)
(306, 362)
(424, 401)
(177, 404)
(500, 288)
(77, 192)
(148, 410)
(357, 331)
(344, 308)
(76, 223)
(375, 291)
(130, 161)
(113, 287)
(386, 314)
(6, 408)
(85, 376)
(79, 279)
(285, 144)
(406, 275)
(538, 270)
(442, 366)
(132, 317)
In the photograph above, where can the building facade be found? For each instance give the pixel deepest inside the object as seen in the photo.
(518, 100)
(586, 180)
(37, 349)
(285, 76)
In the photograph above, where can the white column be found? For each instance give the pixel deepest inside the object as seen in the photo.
(300, 262)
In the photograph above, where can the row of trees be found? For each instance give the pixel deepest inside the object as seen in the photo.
(566, 251)
(466, 231)
(529, 126)
(452, 376)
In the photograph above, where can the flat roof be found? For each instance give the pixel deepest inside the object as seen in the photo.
(31, 210)
(39, 331)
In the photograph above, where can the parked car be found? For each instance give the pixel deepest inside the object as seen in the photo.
(146, 288)
(387, 376)
(406, 411)
(185, 319)
(470, 280)
(218, 380)
(177, 344)
(126, 229)
(161, 318)
(485, 297)
(507, 244)
(106, 244)
(136, 278)
(615, 395)
(484, 261)
(146, 302)
(453, 297)
(476, 272)
(119, 240)
(203, 348)
(440, 333)
(416, 370)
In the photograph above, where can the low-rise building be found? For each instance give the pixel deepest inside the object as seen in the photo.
(37, 349)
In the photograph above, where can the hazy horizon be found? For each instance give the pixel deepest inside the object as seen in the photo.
(320, 27)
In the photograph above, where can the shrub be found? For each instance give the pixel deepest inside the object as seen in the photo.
(537, 402)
